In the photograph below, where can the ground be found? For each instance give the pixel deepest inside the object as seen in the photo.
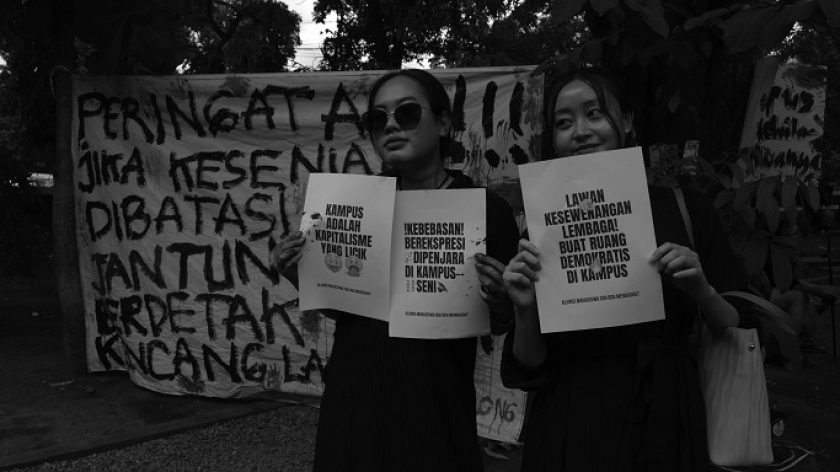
(43, 415)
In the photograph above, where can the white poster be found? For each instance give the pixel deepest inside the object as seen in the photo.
(346, 261)
(435, 290)
(590, 218)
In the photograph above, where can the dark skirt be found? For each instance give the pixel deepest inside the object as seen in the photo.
(611, 401)
(397, 404)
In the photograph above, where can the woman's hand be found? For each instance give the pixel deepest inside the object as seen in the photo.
(285, 256)
(521, 273)
(683, 265)
(493, 292)
(490, 276)
(528, 344)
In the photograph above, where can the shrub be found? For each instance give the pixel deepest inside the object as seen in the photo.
(759, 213)
(25, 242)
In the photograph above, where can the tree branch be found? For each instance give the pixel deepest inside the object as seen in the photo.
(208, 4)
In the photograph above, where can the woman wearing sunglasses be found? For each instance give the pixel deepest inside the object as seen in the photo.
(408, 404)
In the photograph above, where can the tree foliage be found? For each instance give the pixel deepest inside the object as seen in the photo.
(130, 36)
(25, 92)
(240, 36)
(688, 62)
(526, 36)
(756, 212)
(383, 34)
(690, 66)
(156, 36)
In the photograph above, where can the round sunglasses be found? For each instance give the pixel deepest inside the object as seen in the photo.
(408, 116)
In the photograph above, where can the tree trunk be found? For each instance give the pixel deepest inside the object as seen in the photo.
(65, 250)
(381, 51)
(727, 93)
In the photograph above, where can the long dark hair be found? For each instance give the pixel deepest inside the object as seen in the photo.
(432, 88)
(604, 84)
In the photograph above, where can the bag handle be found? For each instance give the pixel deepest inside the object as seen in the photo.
(684, 212)
(768, 311)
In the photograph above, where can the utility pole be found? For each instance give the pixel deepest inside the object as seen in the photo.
(66, 255)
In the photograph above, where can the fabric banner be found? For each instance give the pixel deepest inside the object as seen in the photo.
(435, 287)
(590, 218)
(346, 260)
(500, 412)
(185, 183)
(785, 115)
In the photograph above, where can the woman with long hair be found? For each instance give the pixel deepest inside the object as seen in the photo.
(394, 404)
(624, 398)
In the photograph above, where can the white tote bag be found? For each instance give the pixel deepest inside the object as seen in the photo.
(732, 379)
(735, 394)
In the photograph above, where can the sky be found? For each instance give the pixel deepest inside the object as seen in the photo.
(311, 33)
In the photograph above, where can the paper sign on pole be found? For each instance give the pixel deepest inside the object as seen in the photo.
(590, 218)
(435, 290)
(346, 262)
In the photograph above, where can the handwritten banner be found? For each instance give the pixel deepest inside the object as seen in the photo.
(435, 289)
(785, 115)
(185, 183)
(590, 218)
(499, 412)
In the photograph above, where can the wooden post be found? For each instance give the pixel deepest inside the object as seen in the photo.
(65, 250)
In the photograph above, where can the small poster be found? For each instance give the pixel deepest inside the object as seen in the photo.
(590, 218)
(435, 291)
(346, 261)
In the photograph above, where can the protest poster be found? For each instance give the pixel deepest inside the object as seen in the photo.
(435, 288)
(590, 217)
(785, 117)
(183, 185)
(346, 259)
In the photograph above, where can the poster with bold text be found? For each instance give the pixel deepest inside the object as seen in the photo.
(183, 184)
(590, 217)
(435, 289)
(346, 259)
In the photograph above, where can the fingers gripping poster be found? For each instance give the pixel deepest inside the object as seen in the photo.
(185, 183)
(435, 287)
(346, 260)
(590, 218)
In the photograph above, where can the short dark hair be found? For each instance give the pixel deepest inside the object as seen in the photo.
(603, 83)
(435, 94)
